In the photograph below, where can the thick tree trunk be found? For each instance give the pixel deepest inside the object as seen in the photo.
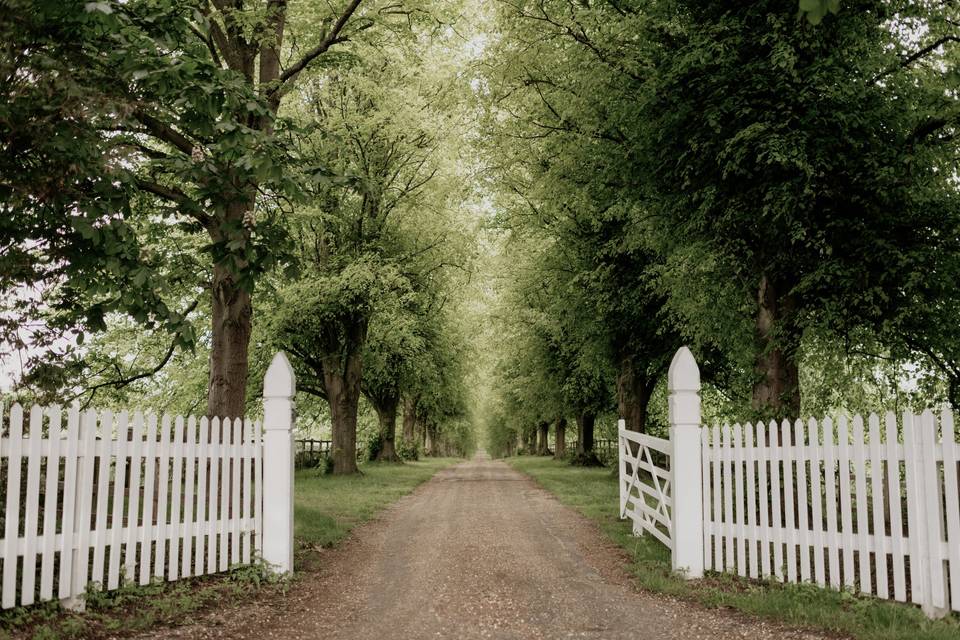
(387, 415)
(634, 389)
(530, 445)
(560, 446)
(231, 323)
(585, 453)
(409, 419)
(585, 424)
(341, 380)
(543, 439)
(776, 392)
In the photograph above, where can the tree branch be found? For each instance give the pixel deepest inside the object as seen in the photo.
(330, 39)
(164, 132)
(186, 203)
(908, 60)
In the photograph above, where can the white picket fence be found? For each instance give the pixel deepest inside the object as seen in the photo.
(95, 499)
(871, 506)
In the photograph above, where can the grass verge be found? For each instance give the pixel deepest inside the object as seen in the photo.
(326, 508)
(593, 492)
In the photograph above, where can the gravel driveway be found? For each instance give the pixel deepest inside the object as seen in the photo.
(478, 552)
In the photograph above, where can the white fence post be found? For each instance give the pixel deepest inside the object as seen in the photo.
(621, 469)
(279, 387)
(683, 382)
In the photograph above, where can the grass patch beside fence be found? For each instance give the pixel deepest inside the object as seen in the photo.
(593, 492)
(326, 508)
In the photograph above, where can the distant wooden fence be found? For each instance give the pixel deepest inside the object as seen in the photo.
(869, 505)
(308, 453)
(93, 499)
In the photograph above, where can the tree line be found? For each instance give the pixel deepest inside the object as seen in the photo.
(774, 185)
(189, 185)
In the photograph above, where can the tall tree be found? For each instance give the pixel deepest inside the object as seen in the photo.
(171, 109)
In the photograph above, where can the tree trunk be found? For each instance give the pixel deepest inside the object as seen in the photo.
(341, 380)
(585, 423)
(543, 439)
(634, 389)
(387, 414)
(530, 442)
(231, 321)
(409, 419)
(776, 392)
(560, 446)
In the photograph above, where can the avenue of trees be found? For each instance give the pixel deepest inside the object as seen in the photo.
(189, 185)
(780, 193)
(466, 215)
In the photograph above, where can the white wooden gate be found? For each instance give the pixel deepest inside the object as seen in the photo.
(644, 485)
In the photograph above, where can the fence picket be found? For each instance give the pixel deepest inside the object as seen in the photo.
(28, 579)
(896, 516)
(163, 482)
(830, 498)
(119, 490)
(12, 513)
(717, 500)
(212, 497)
(933, 560)
(705, 455)
(235, 493)
(788, 500)
(51, 494)
(915, 505)
(776, 516)
(727, 473)
(738, 497)
(879, 529)
(763, 455)
(952, 501)
(102, 507)
(174, 531)
(147, 535)
(247, 484)
(258, 486)
(816, 460)
(224, 495)
(81, 564)
(67, 526)
(133, 499)
(800, 438)
(751, 501)
(189, 517)
(846, 513)
(863, 532)
(200, 561)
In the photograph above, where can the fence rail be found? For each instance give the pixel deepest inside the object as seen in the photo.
(93, 499)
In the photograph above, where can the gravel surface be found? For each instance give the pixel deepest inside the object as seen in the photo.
(477, 552)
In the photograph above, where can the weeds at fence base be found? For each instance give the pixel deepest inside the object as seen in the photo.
(134, 608)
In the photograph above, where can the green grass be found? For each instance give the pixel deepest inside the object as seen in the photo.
(593, 492)
(326, 509)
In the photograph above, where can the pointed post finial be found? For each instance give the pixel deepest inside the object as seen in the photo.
(280, 381)
(684, 374)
